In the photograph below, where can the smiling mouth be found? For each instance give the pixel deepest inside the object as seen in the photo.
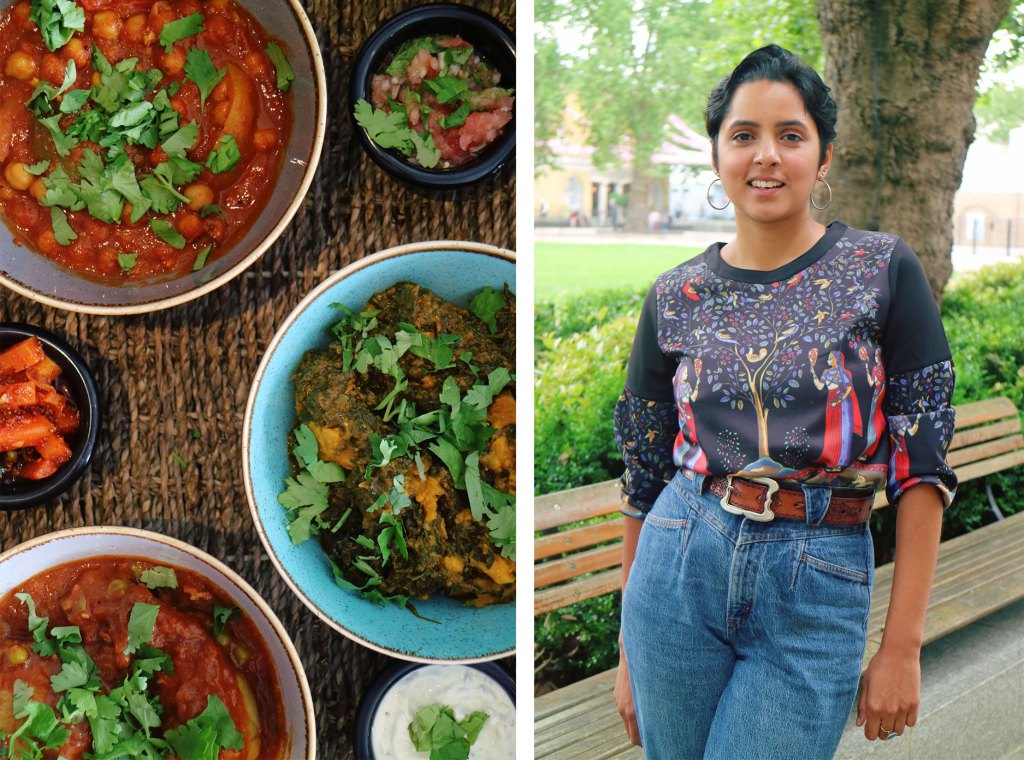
(764, 184)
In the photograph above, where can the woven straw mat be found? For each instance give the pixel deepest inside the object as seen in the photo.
(165, 374)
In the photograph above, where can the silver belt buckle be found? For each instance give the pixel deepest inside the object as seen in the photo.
(767, 515)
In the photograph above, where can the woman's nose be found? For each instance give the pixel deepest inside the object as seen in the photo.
(767, 155)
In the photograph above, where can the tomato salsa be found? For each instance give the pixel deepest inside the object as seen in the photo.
(120, 657)
(138, 138)
(36, 413)
(437, 102)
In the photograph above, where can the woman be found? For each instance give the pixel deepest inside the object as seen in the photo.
(748, 587)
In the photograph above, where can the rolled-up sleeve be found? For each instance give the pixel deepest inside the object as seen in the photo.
(919, 387)
(646, 418)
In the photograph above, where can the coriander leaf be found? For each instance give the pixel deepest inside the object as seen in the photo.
(457, 118)
(209, 209)
(408, 50)
(486, 304)
(452, 458)
(221, 615)
(224, 156)
(57, 20)
(201, 257)
(200, 69)
(70, 75)
(473, 487)
(502, 527)
(163, 198)
(71, 674)
(285, 73)
(446, 88)
(166, 232)
(183, 139)
(388, 130)
(457, 55)
(306, 448)
(127, 261)
(61, 142)
(62, 231)
(180, 29)
(140, 625)
(22, 692)
(73, 101)
(40, 724)
(472, 724)
(206, 734)
(427, 152)
(159, 577)
(37, 169)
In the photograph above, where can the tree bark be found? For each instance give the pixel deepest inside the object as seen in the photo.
(903, 73)
(638, 201)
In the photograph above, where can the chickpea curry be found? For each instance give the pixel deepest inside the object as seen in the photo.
(119, 657)
(404, 460)
(139, 139)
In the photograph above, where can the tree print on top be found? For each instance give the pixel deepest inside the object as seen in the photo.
(787, 378)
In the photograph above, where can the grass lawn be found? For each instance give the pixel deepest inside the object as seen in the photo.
(568, 268)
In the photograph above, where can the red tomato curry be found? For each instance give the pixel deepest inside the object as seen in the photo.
(142, 138)
(100, 597)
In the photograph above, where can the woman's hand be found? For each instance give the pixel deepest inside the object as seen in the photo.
(890, 693)
(624, 698)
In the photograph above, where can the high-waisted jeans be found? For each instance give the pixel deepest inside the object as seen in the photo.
(744, 640)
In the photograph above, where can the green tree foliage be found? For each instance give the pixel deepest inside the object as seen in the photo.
(999, 109)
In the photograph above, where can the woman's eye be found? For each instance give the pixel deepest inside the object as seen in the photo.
(743, 137)
(792, 137)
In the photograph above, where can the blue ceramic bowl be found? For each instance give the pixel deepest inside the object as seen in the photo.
(462, 634)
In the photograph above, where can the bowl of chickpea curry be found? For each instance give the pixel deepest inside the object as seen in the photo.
(149, 149)
(116, 642)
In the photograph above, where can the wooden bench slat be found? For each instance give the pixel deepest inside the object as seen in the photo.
(589, 561)
(577, 538)
(989, 410)
(985, 450)
(997, 464)
(551, 703)
(553, 510)
(586, 588)
(988, 432)
(604, 739)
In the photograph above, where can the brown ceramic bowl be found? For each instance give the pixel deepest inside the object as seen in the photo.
(33, 275)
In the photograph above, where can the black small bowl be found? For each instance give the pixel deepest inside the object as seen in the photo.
(495, 43)
(82, 389)
(394, 674)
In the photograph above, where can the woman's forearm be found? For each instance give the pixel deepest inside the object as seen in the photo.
(630, 536)
(918, 529)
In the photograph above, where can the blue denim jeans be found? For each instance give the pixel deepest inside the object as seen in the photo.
(744, 640)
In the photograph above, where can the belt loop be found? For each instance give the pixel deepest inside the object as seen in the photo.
(698, 483)
(816, 502)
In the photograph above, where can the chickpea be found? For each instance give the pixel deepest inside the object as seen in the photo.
(199, 195)
(17, 655)
(219, 29)
(52, 69)
(22, 12)
(95, 80)
(17, 175)
(37, 189)
(189, 225)
(172, 63)
(106, 25)
(219, 6)
(264, 139)
(47, 243)
(178, 105)
(161, 13)
(77, 51)
(135, 28)
(20, 65)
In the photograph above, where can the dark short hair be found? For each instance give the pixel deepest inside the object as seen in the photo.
(774, 64)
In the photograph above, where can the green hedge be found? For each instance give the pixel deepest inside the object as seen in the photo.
(583, 345)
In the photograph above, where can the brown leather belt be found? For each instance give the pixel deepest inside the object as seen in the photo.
(764, 499)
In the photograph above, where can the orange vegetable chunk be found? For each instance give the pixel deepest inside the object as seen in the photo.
(17, 394)
(20, 429)
(21, 356)
(52, 447)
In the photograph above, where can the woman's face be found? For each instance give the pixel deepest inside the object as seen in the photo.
(768, 152)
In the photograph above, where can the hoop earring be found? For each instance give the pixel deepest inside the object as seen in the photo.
(828, 202)
(716, 208)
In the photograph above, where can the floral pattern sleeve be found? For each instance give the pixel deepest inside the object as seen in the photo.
(921, 422)
(646, 417)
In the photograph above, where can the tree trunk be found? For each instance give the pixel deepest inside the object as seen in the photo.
(903, 73)
(638, 202)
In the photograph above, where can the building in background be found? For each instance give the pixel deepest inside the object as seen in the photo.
(988, 209)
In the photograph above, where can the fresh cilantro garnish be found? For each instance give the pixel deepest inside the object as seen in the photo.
(127, 261)
(391, 536)
(201, 257)
(39, 168)
(224, 156)
(457, 118)
(62, 142)
(221, 615)
(285, 73)
(435, 730)
(62, 231)
(179, 460)
(203, 737)
(140, 625)
(486, 304)
(211, 208)
(166, 232)
(200, 69)
(446, 88)
(408, 50)
(180, 29)
(57, 20)
(40, 730)
(457, 55)
(182, 140)
(391, 130)
(159, 577)
(427, 152)
(306, 497)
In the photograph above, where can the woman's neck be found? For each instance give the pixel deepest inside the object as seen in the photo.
(764, 246)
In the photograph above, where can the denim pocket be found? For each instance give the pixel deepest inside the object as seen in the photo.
(842, 556)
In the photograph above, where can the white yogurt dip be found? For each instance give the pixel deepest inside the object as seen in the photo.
(461, 688)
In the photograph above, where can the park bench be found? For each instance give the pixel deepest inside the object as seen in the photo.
(977, 574)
